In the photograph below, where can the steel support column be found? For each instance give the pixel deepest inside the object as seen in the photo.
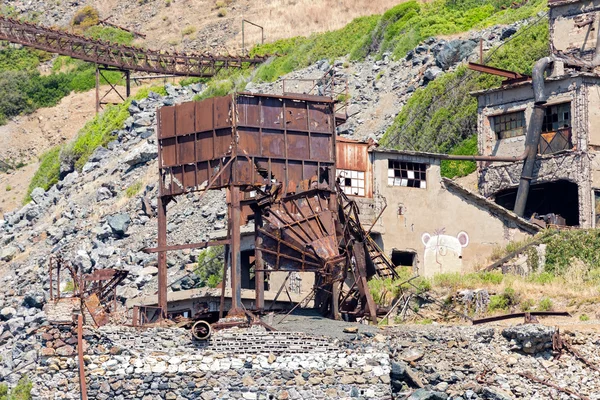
(82, 384)
(259, 274)
(236, 267)
(162, 256)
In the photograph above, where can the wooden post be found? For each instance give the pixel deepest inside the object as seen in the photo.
(162, 257)
(82, 384)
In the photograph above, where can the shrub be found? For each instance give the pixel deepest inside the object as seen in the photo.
(188, 30)
(133, 189)
(453, 169)
(222, 12)
(86, 17)
(8, 188)
(110, 34)
(584, 317)
(526, 305)
(47, 173)
(210, 266)
(545, 304)
(22, 391)
(497, 302)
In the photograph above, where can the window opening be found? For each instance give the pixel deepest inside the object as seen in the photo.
(509, 125)
(407, 174)
(352, 182)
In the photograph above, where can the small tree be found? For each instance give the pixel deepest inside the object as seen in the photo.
(86, 17)
(210, 265)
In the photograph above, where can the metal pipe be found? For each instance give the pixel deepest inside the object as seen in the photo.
(534, 131)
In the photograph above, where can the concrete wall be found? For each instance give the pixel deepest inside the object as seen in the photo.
(580, 167)
(520, 98)
(447, 232)
(565, 34)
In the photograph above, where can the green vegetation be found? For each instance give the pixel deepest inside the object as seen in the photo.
(8, 188)
(188, 30)
(442, 117)
(22, 391)
(584, 317)
(25, 90)
(471, 281)
(133, 189)
(110, 34)
(450, 169)
(47, 173)
(85, 17)
(210, 266)
(567, 246)
(545, 304)
(398, 30)
(69, 286)
(300, 52)
(97, 132)
(386, 290)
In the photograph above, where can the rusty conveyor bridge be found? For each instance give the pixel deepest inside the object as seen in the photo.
(122, 57)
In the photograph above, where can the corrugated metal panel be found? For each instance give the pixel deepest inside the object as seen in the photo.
(276, 138)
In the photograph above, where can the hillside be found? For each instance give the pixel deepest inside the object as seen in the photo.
(210, 25)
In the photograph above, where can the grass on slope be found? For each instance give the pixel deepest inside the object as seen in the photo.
(95, 133)
(396, 31)
(25, 89)
(442, 117)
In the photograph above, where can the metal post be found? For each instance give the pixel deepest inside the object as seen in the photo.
(128, 83)
(236, 268)
(224, 282)
(259, 274)
(82, 384)
(97, 89)
(481, 51)
(162, 257)
(335, 298)
(51, 264)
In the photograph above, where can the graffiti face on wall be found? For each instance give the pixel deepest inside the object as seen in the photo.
(443, 253)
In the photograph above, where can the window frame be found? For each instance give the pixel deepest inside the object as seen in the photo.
(404, 174)
(519, 128)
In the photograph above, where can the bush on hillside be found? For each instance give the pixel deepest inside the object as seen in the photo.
(85, 17)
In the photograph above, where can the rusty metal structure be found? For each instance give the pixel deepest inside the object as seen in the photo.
(115, 57)
(96, 291)
(276, 156)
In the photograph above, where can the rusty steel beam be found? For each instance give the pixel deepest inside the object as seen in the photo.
(82, 383)
(521, 315)
(495, 71)
(115, 55)
(236, 267)
(259, 274)
(162, 255)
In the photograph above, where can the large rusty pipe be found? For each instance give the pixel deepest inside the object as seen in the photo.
(534, 131)
(479, 158)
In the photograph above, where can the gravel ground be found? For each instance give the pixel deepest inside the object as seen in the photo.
(311, 322)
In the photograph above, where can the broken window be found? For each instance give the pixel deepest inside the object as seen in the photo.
(556, 129)
(352, 182)
(407, 174)
(557, 117)
(509, 125)
(403, 258)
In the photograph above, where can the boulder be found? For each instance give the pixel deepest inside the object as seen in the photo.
(119, 223)
(7, 313)
(38, 195)
(423, 394)
(8, 253)
(103, 193)
(99, 154)
(141, 155)
(432, 73)
(454, 52)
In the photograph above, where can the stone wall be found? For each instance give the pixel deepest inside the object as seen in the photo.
(125, 363)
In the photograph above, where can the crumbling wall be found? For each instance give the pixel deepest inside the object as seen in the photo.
(160, 363)
(573, 167)
(574, 26)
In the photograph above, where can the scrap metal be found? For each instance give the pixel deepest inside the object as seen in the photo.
(97, 290)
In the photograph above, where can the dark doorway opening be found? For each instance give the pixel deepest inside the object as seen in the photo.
(560, 197)
(403, 258)
(247, 280)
